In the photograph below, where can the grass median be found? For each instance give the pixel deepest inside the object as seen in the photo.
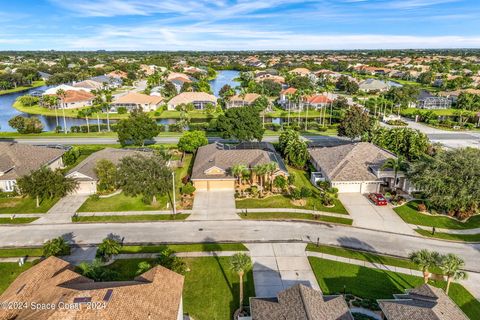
(16, 220)
(130, 218)
(294, 216)
(20, 252)
(450, 236)
(193, 247)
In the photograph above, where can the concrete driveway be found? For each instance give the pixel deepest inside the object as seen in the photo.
(279, 266)
(367, 215)
(63, 210)
(214, 205)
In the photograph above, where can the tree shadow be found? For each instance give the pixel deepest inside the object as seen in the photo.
(69, 238)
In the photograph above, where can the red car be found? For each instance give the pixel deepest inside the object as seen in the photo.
(378, 199)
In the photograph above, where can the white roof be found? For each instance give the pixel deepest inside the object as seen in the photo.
(65, 87)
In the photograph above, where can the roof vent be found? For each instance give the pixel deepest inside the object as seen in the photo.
(82, 300)
(20, 289)
(108, 295)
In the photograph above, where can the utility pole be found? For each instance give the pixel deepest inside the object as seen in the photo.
(174, 204)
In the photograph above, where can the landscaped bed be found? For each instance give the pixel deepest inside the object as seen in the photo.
(20, 205)
(294, 216)
(410, 214)
(337, 277)
(211, 289)
(194, 247)
(16, 220)
(130, 218)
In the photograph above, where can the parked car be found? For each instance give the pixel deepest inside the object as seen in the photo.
(378, 199)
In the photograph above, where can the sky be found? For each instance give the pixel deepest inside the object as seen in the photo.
(238, 24)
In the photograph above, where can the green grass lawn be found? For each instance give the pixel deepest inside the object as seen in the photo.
(293, 216)
(283, 201)
(10, 271)
(130, 218)
(438, 112)
(195, 114)
(16, 220)
(35, 84)
(25, 205)
(210, 290)
(364, 282)
(409, 213)
(194, 247)
(366, 256)
(448, 236)
(20, 252)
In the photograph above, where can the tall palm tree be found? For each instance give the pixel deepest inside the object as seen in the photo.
(260, 171)
(240, 263)
(425, 260)
(108, 102)
(271, 168)
(62, 94)
(237, 171)
(451, 265)
(396, 164)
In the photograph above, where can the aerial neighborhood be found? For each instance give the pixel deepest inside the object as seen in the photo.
(266, 185)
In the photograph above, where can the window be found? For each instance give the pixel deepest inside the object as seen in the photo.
(10, 185)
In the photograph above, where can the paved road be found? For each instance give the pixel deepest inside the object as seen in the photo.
(238, 231)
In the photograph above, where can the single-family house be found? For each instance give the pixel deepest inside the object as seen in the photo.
(44, 76)
(426, 100)
(64, 87)
(355, 167)
(88, 85)
(108, 81)
(118, 74)
(17, 160)
(284, 94)
(198, 99)
(75, 99)
(370, 85)
(65, 294)
(137, 101)
(242, 100)
(422, 303)
(317, 101)
(84, 173)
(213, 163)
(304, 72)
(299, 302)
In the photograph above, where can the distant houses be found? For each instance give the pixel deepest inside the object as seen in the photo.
(371, 85)
(242, 100)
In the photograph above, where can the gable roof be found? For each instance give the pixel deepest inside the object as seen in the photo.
(290, 90)
(89, 84)
(156, 294)
(373, 84)
(190, 97)
(317, 99)
(422, 303)
(138, 98)
(77, 96)
(248, 98)
(86, 168)
(17, 160)
(216, 155)
(349, 162)
(300, 303)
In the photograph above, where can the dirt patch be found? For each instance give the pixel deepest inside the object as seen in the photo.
(299, 203)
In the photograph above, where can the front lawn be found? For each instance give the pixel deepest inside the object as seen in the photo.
(16, 220)
(10, 271)
(210, 290)
(194, 247)
(410, 214)
(20, 252)
(293, 216)
(283, 201)
(335, 277)
(130, 218)
(20, 205)
(450, 236)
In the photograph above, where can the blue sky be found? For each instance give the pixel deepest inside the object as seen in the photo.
(238, 24)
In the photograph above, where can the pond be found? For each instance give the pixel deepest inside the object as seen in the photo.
(224, 77)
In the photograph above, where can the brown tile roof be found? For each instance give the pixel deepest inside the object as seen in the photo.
(118, 74)
(300, 303)
(156, 294)
(248, 98)
(87, 166)
(17, 160)
(77, 96)
(422, 303)
(138, 98)
(349, 162)
(215, 155)
(190, 97)
(300, 71)
(317, 99)
(290, 90)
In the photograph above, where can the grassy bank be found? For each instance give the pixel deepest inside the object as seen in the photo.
(293, 216)
(35, 84)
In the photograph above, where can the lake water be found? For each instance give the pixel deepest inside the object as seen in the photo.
(7, 111)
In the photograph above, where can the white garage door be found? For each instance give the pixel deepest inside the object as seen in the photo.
(86, 187)
(368, 187)
(348, 187)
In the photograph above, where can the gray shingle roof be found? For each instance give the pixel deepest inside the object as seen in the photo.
(300, 303)
(349, 162)
(215, 155)
(17, 160)
(423, 303)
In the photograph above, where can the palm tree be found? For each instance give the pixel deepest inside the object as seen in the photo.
(62, 95)
(240, 263)
(271, 168)
(425, 260)
(108, 248)
(56, 247)
(237, 171)
(260, 171)
(451, 265)
(397, 164)
(108, 102)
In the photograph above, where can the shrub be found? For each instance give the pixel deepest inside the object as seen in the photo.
(56, 247)
(187, 189)
(295, 194)
(305, 192)
(122, 110)
(71, 156)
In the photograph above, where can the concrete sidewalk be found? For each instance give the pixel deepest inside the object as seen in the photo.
(278, 266)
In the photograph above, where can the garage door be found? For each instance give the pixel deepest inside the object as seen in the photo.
(346, 187)
(86, 187)
(221, 185)
(200, 185)
(368, 187)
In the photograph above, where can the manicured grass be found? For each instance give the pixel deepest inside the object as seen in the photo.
(194, 247)
(364, 282)
(365, 256)
(449, 236)
(409, 213)
(20, 252)
(210, 290)
(195, 114)
(9, 271)
(283, 201)
(16, 220)
(130, 218)
(35, 84)
(438, 112)
(293, 216)
(20, 205)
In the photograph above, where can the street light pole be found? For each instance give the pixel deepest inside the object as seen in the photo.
(174, 203)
